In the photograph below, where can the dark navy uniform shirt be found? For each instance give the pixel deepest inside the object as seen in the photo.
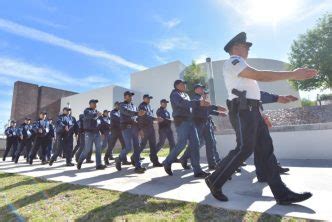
(163, 113)
(90, 120)
(25, 130)
(128, 114)
(147, 119)
(105, 124)
(44, 125)
(181, 104)
(11, 132)
(66, 120)
(115, 119)
(202, 113)
(268, 97)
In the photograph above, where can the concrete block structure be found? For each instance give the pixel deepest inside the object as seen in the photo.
(29, 99)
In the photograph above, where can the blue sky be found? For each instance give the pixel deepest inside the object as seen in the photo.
(80, 45)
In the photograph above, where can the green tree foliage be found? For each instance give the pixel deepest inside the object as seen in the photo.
(314, 50)
(194, 75)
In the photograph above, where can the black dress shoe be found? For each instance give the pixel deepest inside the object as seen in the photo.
(118, 163)
(244, 164)
(202, 174)
(261, 180)
(168, 170)
(216, 193)
(126, 162)
(4, 159)
(79, 165)
(184, 164)
(140, 170)
(282, 170)
(89, 161)
(157, 164)
(70, 164)
(100, 167)
(51, 162)
(177, 160)
(106, 161)
(213, 167)
(292, 197)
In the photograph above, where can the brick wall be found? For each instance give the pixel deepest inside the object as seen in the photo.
(29, 99)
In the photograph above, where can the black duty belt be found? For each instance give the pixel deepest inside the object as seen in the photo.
(251, 103)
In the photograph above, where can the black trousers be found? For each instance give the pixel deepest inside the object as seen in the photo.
(149, 135)
(115, 135)
(251, 130)
(40, 143)
(24, 144)
(63, 144)
(11, 142)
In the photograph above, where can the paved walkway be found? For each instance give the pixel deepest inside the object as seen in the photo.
(244, 192)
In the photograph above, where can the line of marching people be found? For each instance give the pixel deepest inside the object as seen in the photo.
(132, 126)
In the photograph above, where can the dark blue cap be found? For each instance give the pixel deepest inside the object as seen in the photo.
(164, 101)
(128, 93)
(147, 96)
(239, 38)
(198, 85)
(93, 101)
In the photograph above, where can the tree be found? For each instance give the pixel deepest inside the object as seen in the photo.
(194, 75)
(314, 50)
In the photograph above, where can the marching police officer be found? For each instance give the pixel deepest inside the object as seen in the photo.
(41, 130)
(201, 118)
(25, 135)
(115, 134)
(129, 127)
(66, 128)
(50, 136)
(11, 133)
(104, 128)
(164, 126)
(81, 141)
(185, 128)
(92, 134)
(244, 102)
(145, 123)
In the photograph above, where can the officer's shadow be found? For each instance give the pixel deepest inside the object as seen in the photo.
(243, 191)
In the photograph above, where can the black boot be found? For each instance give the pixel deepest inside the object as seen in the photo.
(292, 197)
(216, 193)
(118, 164)
(184, 164)
(202, 174)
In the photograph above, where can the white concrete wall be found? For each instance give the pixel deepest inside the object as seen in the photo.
(106, 96)
(279, 87)
(157, 81)
(307, 144)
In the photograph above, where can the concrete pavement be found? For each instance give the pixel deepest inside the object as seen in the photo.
(244, 192)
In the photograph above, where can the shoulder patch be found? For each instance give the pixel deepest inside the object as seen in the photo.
(235, 61)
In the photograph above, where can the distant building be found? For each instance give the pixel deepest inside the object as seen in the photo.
(29, 99)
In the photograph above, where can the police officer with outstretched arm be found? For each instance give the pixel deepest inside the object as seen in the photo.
(115, 134)
(201, 119)
(41, 130)
(185, 128)
(245, 107)
(91, 134)
(145, 124)
(129, 128)
(164, 130)
(11, 133)
(25, 135)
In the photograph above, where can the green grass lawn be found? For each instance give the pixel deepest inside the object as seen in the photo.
(25, 198)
